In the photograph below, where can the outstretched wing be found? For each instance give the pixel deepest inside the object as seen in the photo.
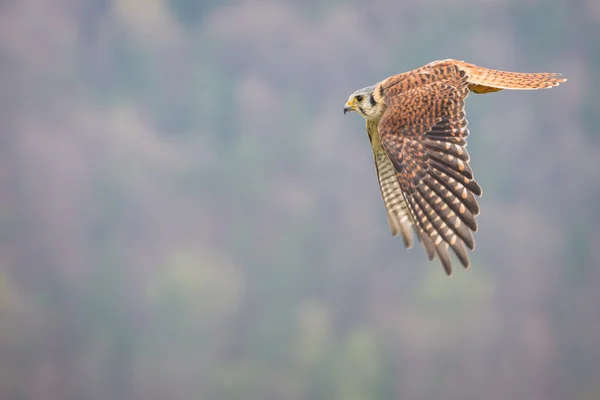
(423, 132)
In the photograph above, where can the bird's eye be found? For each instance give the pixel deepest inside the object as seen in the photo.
(359, 98)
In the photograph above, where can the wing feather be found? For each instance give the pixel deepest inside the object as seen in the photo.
(397, 211)
(423, 132)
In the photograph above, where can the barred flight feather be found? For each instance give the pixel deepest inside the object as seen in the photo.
(441, 221)
(447, 216)
(455, 203)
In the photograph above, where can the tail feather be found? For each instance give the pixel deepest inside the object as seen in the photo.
(484, 80)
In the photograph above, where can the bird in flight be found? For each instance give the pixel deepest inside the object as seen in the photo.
(417, 127)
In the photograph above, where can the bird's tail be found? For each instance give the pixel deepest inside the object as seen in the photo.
(483, 80)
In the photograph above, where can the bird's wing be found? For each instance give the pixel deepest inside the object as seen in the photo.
(423, 132)
(397, 211)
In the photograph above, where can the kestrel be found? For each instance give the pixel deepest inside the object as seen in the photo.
(417, 127)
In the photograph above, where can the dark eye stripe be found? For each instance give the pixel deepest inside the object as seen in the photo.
(372, 100)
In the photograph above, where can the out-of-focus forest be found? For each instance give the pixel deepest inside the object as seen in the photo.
(185, 212)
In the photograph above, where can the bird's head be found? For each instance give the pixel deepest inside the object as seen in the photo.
(366, 103)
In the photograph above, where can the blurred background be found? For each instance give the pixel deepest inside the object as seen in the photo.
(185, 212)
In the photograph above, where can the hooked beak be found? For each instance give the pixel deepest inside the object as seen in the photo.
(349, 107)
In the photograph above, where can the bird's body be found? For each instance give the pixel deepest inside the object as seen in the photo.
(417, 127)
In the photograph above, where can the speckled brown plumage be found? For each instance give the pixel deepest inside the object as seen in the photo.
(417, 127)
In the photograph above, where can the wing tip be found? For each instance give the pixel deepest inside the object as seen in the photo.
(444, 256)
